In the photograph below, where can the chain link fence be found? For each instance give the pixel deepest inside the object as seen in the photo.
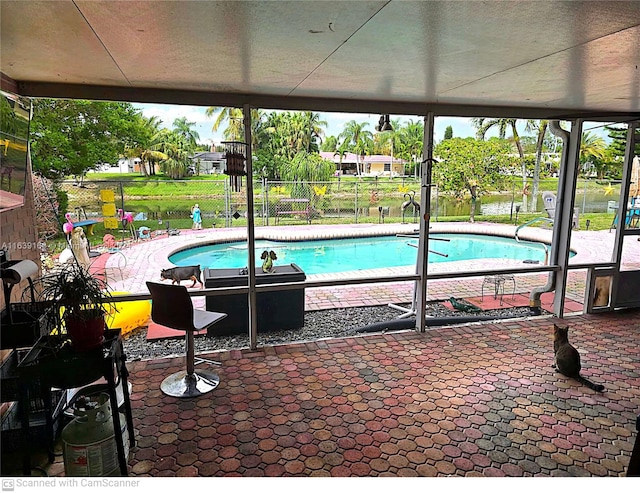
(120, 207)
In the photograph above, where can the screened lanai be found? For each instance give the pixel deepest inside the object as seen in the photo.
(566, 62)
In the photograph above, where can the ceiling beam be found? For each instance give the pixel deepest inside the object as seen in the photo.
(284, 102)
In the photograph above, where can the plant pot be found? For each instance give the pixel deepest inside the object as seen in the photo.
(86, 331)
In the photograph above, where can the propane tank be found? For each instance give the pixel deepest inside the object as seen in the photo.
(89, 445)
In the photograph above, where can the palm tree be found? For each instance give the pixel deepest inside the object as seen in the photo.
(183, 127)
(329, 144)
(314, 126)
(482, 127)
(358, 139)
(591, 146)
(148, 155)
(177, 150)
(541, 126)
(413, 138)
(235, 125)
(340, 150)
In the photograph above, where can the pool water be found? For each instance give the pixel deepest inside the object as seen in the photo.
(348, 254)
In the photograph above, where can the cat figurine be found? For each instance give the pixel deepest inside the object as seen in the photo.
(567, 358)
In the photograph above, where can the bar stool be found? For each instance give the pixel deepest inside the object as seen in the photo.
(172, 307)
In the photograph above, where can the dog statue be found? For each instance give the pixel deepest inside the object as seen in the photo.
(267, 261)
(80, 247)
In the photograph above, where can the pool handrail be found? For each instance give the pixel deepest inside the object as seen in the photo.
(546, 247)
(546, 219)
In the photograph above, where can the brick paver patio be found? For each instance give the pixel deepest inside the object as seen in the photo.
(476, 400)
(473, 400)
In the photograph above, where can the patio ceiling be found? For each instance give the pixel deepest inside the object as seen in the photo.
(516, 58)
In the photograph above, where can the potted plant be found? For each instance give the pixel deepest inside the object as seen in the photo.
(83, 301)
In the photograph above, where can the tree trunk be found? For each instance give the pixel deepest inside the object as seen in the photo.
(536, 169)
(516, 138)
(474, 197)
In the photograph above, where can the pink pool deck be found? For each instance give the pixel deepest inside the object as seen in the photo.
(129, 269)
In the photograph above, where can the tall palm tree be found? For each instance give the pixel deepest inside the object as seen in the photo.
(183, 127)
(359, 140)
(340, 151)
(483, 125)
(148, 155)
(591, 146)
(413, 138)
(235, 123)
(541, 127)
(314, 128)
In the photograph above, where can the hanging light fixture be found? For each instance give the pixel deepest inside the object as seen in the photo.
(384, 125)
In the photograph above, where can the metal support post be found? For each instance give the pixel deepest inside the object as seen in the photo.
(423, 240)
(564, 215)
(625, 186)
(251, 239)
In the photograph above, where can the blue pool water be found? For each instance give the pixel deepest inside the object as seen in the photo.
(339, 255)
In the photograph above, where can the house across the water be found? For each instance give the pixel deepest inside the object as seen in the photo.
(374, 165)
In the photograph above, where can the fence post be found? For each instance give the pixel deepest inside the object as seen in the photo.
(356, 204)
(227, 203)
(265, 200)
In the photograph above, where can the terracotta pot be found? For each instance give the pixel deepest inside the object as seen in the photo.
(86, 333)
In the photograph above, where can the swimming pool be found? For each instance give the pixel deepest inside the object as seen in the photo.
(348, 254)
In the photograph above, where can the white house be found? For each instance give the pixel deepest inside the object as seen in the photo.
(374, 165)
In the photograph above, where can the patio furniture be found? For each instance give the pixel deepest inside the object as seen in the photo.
(172, 307)
(632, 218)
(277, 310)
(294, 207)
(549, 200)
(498, 282)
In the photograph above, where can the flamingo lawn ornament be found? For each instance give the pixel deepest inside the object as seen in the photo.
(125, 217)
(127, 222)
(410, 202)
(67, 228)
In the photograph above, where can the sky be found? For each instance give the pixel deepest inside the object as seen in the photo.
(335, 122)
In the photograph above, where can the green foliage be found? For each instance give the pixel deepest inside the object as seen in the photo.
(330, 144)
(357, 139)
(309, 167)
(618, 136)
(62, 198)
(265, 163)
(473, 166)
(448, 133)
(75, 289)
(70, 137)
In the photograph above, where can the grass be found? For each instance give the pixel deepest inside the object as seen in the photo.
(160, 197)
